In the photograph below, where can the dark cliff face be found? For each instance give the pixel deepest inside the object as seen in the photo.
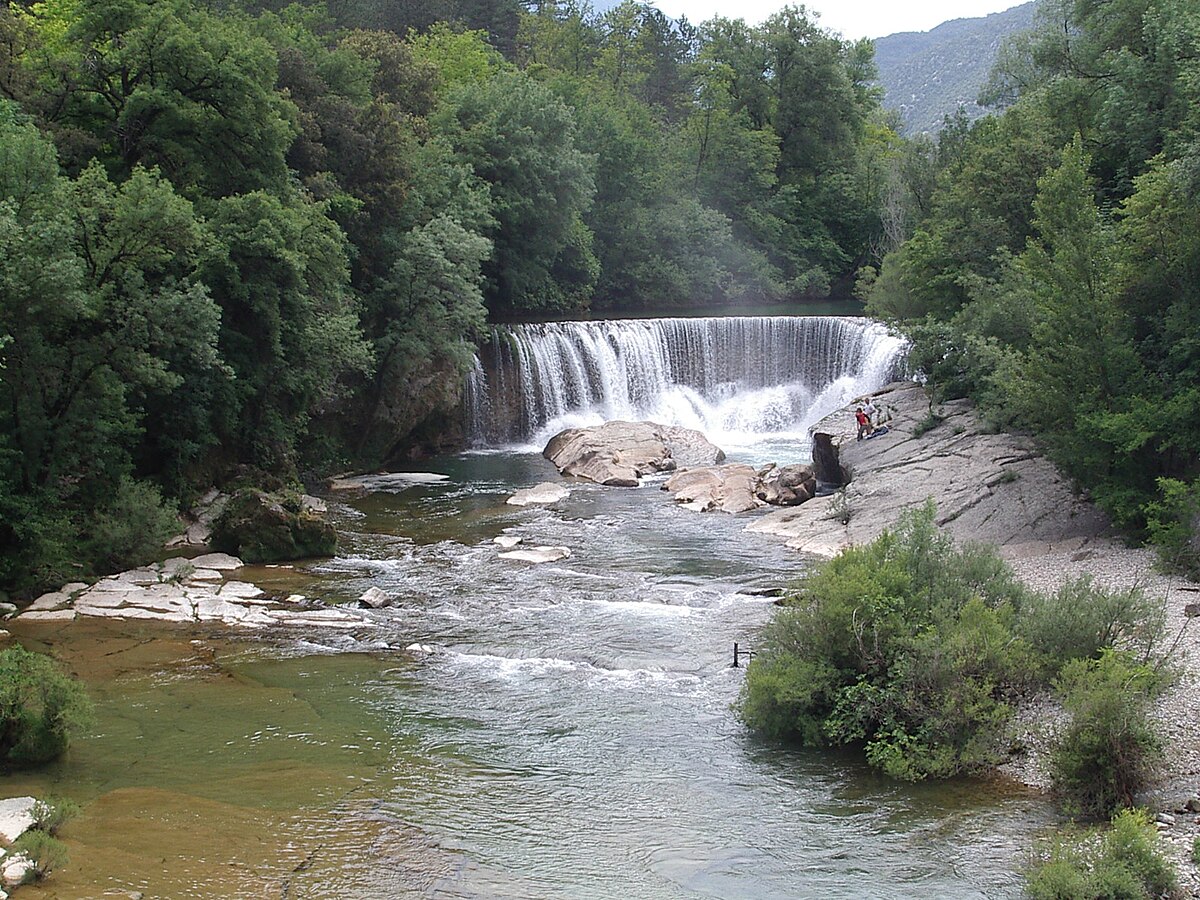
(928, 75)
(417, 413)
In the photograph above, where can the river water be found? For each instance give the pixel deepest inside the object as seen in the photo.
(571, 736)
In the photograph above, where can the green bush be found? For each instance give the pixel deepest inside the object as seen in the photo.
(45, 851)
(1110, 749)
(905, 646)
(1082, 619)
(40, 708)
(1122, 863)
(51, 814)
(1172, 521)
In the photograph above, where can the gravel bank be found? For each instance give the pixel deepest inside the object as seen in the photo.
(1116, 566)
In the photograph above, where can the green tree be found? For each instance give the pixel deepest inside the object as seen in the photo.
(520, 139)
(163, 84)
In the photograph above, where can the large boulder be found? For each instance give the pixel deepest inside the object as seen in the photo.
(620, 453)
(262, 527)
(786, 485)
(739, 488)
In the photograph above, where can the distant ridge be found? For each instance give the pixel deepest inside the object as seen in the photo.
(928, 75)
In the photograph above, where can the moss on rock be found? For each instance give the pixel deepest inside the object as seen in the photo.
(262, 527)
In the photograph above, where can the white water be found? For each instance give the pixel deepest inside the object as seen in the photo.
(737, 379)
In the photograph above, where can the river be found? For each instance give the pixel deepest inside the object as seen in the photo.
(571, 736)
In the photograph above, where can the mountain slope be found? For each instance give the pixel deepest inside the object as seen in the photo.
(928, 75)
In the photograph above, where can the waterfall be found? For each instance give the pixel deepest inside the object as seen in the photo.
(734, 378)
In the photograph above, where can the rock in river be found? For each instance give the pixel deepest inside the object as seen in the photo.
(619, 453)
(546, 492)
(537, 554)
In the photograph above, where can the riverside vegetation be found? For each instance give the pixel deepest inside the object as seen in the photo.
(918, 651)
(263, 238)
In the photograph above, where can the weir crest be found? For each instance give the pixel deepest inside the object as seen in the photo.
(731, 377)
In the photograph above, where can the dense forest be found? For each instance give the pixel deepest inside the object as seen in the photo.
(1051, 261)
(246, 240)
(256, 241)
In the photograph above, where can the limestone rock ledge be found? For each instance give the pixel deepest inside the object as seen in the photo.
(989, 487)
(183, 590)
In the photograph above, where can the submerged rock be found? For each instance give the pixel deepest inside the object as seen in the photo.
(620, 453)
(263, 527)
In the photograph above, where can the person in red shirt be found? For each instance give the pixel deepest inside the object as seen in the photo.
(864, 424)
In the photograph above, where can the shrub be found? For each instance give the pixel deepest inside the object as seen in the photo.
(1172, 521)
(40, 708)
(51, 814)
(904, 645)
(1123, 862)
(1110, 749)
(1081, 620)
(45, 851)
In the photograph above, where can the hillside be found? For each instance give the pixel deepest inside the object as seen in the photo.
(928, 75)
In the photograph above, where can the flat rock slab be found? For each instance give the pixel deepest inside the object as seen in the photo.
(53, 600)
(991, 488)
(620, 453)
(541, 494)
(507, 541)
(537, 554)
(221, 561)
(49, 615)
(391, 481)
(16, 817)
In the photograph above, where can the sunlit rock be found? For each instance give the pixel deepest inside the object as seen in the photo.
(725, 488)
(375, 598)
(16, 817)
(618, 454)
(221, 561)
(537, 554)
(391, 481)
(540, 494)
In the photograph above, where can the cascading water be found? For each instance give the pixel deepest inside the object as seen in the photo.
(736, 379)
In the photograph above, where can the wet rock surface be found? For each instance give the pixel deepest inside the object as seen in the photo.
(182, 590)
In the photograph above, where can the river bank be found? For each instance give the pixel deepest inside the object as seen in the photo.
(997, 488)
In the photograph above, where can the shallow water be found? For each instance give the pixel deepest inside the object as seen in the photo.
(572, 736)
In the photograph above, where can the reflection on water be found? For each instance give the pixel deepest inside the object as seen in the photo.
(572, 737)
